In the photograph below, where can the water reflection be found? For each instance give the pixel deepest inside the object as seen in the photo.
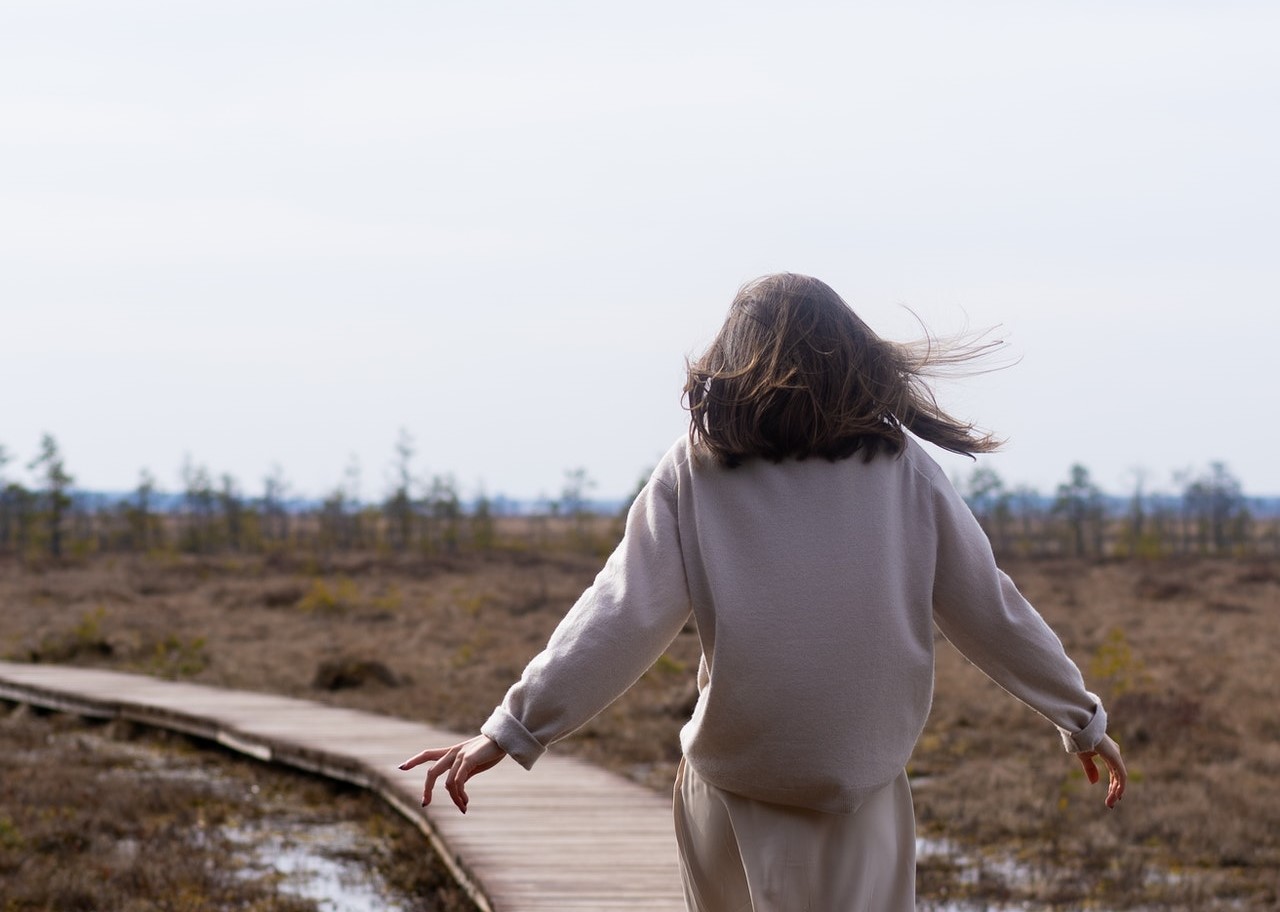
(321, 863)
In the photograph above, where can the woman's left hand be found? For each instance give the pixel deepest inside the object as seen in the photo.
(1109, 751)
(462, 761)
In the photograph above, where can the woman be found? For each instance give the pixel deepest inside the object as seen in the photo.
(817, 545)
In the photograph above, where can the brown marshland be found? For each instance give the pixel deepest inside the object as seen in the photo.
(1184, 654)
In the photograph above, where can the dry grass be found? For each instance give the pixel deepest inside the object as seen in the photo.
(1184, 654)
(1190, 685)
(109, 817)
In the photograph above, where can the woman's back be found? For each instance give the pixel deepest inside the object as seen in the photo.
(816, 585)
(812, 586)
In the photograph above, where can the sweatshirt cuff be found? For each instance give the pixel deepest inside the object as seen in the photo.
(506, 731)
(1088, 737)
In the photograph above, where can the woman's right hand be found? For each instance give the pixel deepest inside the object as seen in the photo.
(461, 762)
(1109, 751)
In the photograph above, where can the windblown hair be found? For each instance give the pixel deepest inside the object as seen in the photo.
(794, 372)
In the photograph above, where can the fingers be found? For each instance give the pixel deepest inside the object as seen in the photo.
(455, 784)
(1119, 777)
(1090, 768)
(443, 757)
(437, 769)
(430, 754)
(1115, 790)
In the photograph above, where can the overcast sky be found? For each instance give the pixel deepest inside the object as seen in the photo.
(277, 233)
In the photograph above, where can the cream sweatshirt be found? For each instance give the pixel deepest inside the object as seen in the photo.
(816, 586)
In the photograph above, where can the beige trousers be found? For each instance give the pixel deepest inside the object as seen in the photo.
(741, 855)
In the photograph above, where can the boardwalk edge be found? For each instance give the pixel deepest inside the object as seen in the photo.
(315, 762)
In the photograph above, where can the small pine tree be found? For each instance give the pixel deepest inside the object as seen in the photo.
(1079, 500)
(55, 494)
(398, 506)
(1215, 502)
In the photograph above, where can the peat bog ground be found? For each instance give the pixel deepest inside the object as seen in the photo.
(112, 816)
(1183, 653)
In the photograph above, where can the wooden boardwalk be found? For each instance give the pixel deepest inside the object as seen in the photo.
(567, 836)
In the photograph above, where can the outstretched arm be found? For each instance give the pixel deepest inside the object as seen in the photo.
(984, 615)
(979, 609)
(616, 630)
(462, 761)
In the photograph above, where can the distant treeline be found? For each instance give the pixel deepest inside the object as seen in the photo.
(1209, 515)
(54, 519)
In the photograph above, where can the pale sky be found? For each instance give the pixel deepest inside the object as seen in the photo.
(268, 232)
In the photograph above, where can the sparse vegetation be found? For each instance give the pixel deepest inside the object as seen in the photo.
(338, 597)
(1182, 651)
(109, 817)
(1206, 513)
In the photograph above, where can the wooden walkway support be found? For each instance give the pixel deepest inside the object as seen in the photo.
(567, 836)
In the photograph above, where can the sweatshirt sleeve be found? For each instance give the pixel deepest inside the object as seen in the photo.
(979, 609)
(618, 628)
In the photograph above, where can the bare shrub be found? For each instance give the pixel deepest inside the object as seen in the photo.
(346, 673)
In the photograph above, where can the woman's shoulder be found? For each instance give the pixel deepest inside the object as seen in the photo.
(673, 464)
(915, 455)
(918, 460)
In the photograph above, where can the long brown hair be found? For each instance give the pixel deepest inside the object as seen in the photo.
(794, 372)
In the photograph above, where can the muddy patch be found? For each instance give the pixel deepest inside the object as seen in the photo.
(99, 816)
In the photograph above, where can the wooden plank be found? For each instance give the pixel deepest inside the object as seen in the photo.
(568, 836)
